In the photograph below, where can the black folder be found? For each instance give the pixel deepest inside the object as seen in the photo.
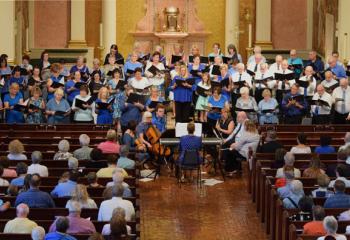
(154, 104)
(61, 113)
(244, 110)
(136, 98)
(78, 85)
(331, 88)
(226, 60)
(302, 83)
(57, 84)
(105, 105)
(298, 98)
(79, 103)
(202, 91)
(154, 70)
(129, 71)
(225, 82)
(204, 59)
(19, 107)
(268, 110)
(320, 102)
(120, 61)
(216, 70)
(211, 59)
(281, 76)
(251, 73)
(175, 59)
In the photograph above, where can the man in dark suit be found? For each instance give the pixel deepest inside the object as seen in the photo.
(270, 145)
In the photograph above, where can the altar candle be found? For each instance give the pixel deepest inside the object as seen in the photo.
(101, 34)
(250, 35)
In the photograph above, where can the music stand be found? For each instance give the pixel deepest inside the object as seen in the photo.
(181, 129)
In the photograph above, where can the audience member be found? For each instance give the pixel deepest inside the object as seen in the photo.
(110, 145)
(84, 152)
(284, 190)
(118, 178)
(346, 141)
(21, 170)
(3, 182)
(271, 144)
(341, 174)
(16, 150)
(8, 172)
(315, 227)
(330, 224)
(38, 233)
(97, 159)
(123, 161)
(322, 190)
(92, 180)
(301, 147)
(296, 193)
(77, 224)
(314, 169)
(339, 199)
(118, 218)
(81, 195)
(73, 164)
(21, 224)
(325, 147)
(289, 160)
(108, 171)
(63, 151)
(305, 206)
(107, 206)
(62, 225)
(279, 158)
(65, 189)
(36, 167)
(33, 197)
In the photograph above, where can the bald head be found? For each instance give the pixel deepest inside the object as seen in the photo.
(22, 210)
(320, 89)
(240, 67)
(328, 76)
(332, 61)
(279, 59)
(344, 82)
(241, 117)
(284, 64)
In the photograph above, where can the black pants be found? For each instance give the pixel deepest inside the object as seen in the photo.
(183, 111)
(321, 119)
(340, 118)
(296, 119)
(232, 160)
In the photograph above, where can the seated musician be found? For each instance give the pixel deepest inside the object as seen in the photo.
(216, 102)
(308, 92)
(130, 111)
(189, 142)
(142, 128)
(58, 109)
(154, 97)
(239, 79)
(293, 106)
(283, 85)
(55, 77)
(341, 99)
(338, 70)
(158, 118)
(13, 98)
(247, 104)
(155, 78)
(267, 84)
(80, 67)
(329, 82)
(131, 65)
(295, 62)
(71, 88)
(182, 96)
(225, 125)
(240, 148)
(321, 111)
(139, 83)
(35, 115)
(268, 109)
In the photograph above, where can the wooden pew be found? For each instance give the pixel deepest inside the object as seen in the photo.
(28, 237)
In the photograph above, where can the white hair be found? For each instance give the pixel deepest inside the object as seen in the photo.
(240, 65)
(73, 163)
(118, 177)
(22, 209)
(84, 140)
(289, 159)
(74, 206)
(244, 90)
(296, 187)
(330, 224)
(38, 233)
(63, 146)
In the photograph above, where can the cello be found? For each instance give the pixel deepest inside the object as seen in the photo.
(153, 135)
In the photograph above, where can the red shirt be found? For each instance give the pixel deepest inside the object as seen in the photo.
(314, 228)
(109, 147)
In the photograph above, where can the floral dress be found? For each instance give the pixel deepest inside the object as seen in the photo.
(38, 116)
(118, 99)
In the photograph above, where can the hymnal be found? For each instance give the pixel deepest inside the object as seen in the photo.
(281, 76)
(202, 91)
(57, 84)
(216, 70)
(244, 110)
(211, 59)
(320, 102)
(154, 104)
(251, 73)
(204, 59)
(61, 113)
(120, 61)
(302, 83)
(154, 70)
(175, 59)
(79, 103)
(136, 98)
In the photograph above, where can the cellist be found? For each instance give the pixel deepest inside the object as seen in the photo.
(142, 128)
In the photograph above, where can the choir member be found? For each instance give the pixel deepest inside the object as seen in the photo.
(196, 68)
(64, 70)
(130, 110)
(55, 81)
(173, 73)
(182, 95)
(336, 69)
(72, 86)
(81, 67)
(116, 84)
(194, 51)
(247, 104)
(103, 107)
(36, 106)
(113, 51)
(293, 105)
(45, 65)
(17, 78)
(335, 54)
(35, 79)
(321, 106)
(225, 76)
(216, 102)
(25, 64)
(315, 62)
(308, 91)
(225, 125)
(233, 67)
(139, 83)
(203, 96)
(110, 67)
(329, 82)
(4, 67)
(239, 79)
(283, 85)
(162, 58)
(178, 53)
(155, 77)
(153, 98)
(11, 100)
(158, 118)
(95, 84)
(263, 80)
(96, 67)
(341, 100)
(58, 109)
(256, 50)
(131, 65)
(214, 69)
(277, 65)
(254, 66)
(82, 106)
(233, 54)
(268, 109)
(295, 62)
(216, 51)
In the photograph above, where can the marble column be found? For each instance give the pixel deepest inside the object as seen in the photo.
(263, 24)
(344, 30)
(231, 23)
(109, 24)
(77, 24)
(8, 29)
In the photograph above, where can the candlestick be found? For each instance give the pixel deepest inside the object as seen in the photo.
(101, 34)
(250, 35)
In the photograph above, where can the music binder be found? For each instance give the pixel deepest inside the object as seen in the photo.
(57, 84)
(61, 113)
(251, 73)
(298, 98)
(304, 84)
(154, 70)
(320, 102)
(19, 107)
(244, 110)
(216, 70)
(175, 59)
(79, 103)
(154, 104)
(202, 91)
(281, 76)
(136, 98)
(120, 61)
(204, 59)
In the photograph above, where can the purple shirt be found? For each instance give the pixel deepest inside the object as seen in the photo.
(77, 225)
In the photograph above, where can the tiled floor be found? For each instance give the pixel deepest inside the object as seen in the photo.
(220, 212)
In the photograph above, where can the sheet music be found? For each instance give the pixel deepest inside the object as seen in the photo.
(181, 129)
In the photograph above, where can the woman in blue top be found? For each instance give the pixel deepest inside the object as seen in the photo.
(58, 109)
(325, 147)
(265, 105)
(104, 116)
(224, 74)
(55, 77)
(10, 100)
(217, 102)
(35, 115)
(154, 97)
(81, 67)
(71, 90)
(132, 65)
(182, 96)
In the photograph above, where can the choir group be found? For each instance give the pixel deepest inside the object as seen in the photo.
(195, 87)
